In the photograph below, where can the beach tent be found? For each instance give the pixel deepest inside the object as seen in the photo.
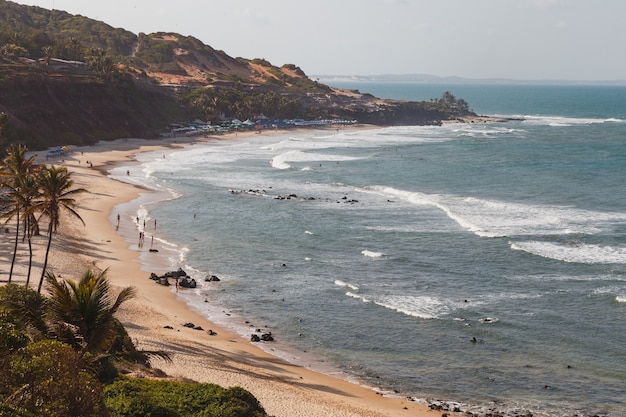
(56, 152)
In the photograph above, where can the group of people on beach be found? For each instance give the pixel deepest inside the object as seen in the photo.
(141, 239)
(142, 234)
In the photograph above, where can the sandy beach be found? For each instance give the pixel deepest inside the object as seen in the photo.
(227, 359)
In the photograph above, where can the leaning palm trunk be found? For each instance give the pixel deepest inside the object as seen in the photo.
(30, 252)
(17, 238)
(56, 191)
(45, 261)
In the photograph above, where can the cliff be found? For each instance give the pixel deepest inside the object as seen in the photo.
(68, 79)
(58, 109)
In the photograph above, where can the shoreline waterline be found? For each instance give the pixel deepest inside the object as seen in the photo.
(428, 238)
(224, 318)
(170, 256)
(381, 255)
(226, 359)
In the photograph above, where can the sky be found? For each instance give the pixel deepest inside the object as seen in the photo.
(505, 39)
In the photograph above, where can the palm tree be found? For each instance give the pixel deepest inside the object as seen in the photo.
(30, 193)
(82, 313)
(15, 170)
(21, 195)
(13, 208)
(78, 313)
(57, 189)
(47, 55)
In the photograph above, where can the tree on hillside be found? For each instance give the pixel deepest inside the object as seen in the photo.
(57, 192)
(101, 63)
(10, 50)
(47, 54)
(71, 49)
(450, 103)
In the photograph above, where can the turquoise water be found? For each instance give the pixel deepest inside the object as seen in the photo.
(399, 247)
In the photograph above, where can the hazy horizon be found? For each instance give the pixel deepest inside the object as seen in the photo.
(453, 79)
(483, 39)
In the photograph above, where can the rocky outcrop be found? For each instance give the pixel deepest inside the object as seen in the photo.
(182, 279)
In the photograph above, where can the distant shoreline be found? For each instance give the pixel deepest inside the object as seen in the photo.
(452, 80)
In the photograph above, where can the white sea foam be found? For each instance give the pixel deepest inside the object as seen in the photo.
(343, 284)
(618, 291)
(372, 254)
(562, 121)
(488, 320)
(283, 160)
(423, 307)
(492, 218)
(566, 278)
(358, 297)
(573, 252)
(493, 132)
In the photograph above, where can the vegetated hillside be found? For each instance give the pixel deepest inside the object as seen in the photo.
(68, 79)
(48, 109)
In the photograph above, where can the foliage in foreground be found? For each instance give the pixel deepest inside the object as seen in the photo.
(158, 398)
(57, 357)
(49, 379)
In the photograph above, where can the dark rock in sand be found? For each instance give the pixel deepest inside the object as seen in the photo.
(211, 278)
(267, 337)
(176, 274)
(187, 282)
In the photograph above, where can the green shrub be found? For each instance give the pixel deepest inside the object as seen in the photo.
(142, 397)
(49, 379)
(6, 411)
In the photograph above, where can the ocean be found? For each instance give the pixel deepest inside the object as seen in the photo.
(481, 264)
